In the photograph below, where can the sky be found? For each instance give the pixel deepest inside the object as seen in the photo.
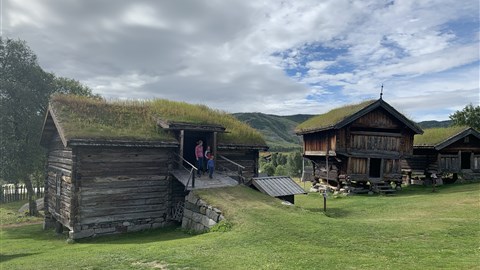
(276, 57)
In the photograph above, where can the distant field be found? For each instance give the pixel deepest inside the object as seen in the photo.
(415, 229)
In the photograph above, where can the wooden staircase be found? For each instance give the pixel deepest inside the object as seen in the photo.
(382, 188)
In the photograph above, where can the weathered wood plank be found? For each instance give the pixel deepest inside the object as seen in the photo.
(88, 212)
(120, 196)
(86, 191)
(131, 202)
(122, 171)
(121, 217)
(118, 179)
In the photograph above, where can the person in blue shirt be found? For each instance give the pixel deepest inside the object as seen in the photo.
(210, 166)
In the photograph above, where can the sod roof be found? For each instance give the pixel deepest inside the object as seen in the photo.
(332, 117)
(433, 137)
(97, 119)
(341, 116)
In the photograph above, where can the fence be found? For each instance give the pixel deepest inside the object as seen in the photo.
(12, 192)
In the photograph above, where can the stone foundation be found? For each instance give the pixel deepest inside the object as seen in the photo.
(99, 229)
(198, 216)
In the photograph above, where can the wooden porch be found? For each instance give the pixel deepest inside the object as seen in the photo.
(219, 179)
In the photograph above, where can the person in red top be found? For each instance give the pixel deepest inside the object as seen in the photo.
(199, 157)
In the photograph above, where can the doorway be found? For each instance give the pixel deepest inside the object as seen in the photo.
(375, 166)
(190, 142)
(465, 162)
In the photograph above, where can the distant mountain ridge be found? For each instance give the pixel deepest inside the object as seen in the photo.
(279, 130)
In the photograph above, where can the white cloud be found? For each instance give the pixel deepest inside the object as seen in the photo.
(231, 55)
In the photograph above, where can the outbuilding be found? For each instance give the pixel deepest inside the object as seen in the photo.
(119, 166)
(451, 152)
(359, 144)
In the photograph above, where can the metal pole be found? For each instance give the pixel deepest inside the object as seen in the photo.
(193, 178)
(325, 201)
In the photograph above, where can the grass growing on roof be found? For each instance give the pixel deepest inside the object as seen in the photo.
(84, 117)
(434, 136)
(87, 118)
(332, 117)
(237, 131)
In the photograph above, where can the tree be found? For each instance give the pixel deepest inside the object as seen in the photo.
(294, 164)
(469, 116)
(268, 168)
(281, 170)
(25, 89)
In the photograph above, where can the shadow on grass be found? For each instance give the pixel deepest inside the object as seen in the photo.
(443, 189)
(4, 258)
(36, 233)
(141, 237)
(331, 212)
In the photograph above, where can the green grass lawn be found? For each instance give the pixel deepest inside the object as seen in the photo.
(415, 229)
(9, 215)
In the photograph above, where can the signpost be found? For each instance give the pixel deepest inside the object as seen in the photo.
(325, 201)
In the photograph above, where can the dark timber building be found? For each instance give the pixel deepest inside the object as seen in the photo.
(451, 151)
(359, 143)
(116, 167)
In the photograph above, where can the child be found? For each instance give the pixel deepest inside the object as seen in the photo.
(210, 166)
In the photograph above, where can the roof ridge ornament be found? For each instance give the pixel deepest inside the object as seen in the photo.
(381, 92)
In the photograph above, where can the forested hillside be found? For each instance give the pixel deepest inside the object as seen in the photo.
(279, 130)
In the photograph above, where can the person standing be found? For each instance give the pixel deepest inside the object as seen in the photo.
(206, 157)
(210, 166)
(199, 157)
(208, 153)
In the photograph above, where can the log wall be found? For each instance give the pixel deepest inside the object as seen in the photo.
(123, 189)
(246, 158)
(320, 141)
(59, 187)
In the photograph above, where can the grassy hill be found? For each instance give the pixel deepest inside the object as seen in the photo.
(416, 229)
(435, 124)
(279, 130)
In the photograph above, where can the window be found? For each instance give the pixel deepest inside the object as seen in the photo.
(58, 182)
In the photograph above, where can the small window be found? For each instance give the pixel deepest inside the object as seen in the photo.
(58, 181)
(466, 139)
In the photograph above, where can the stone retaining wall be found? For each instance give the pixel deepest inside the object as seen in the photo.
(198, 216)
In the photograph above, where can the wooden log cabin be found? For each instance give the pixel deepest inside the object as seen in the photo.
(358, 144)
(111, 165)
(451, 152)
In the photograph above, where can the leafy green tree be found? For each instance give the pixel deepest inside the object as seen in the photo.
(281, 170)
(281, 159)
(25, 89)
(294, 164)
(469, 116)
(274, 159)
(268, 168)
